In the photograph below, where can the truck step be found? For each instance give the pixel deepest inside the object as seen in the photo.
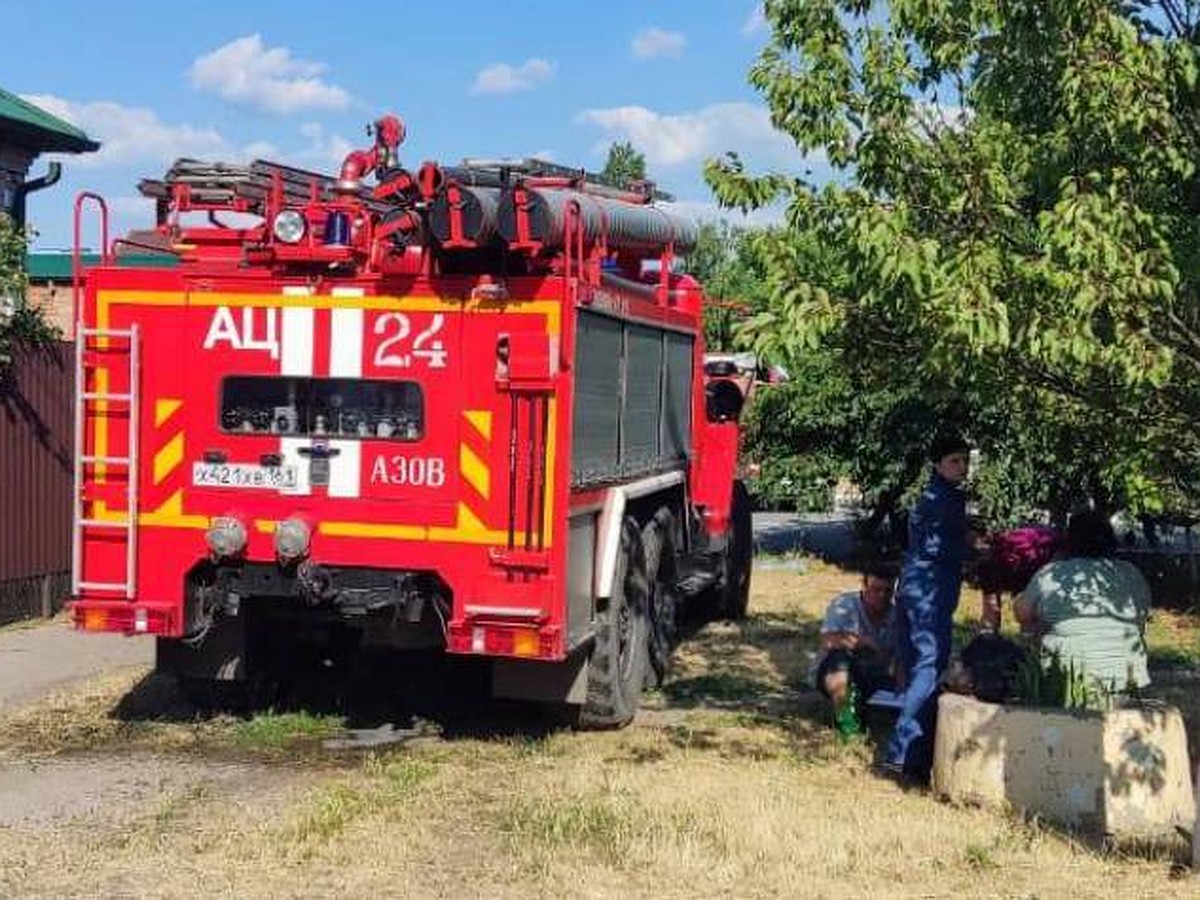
(107, 332)
(106, 460)
(105, 523)
(103, 586)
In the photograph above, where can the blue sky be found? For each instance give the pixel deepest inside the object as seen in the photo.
(298, 82)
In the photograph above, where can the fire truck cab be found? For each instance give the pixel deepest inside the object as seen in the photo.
(462, 409)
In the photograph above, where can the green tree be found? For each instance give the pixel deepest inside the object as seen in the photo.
(624, 165)
(19, 324)
(1015, 226)
(12, 261)
(729, 262)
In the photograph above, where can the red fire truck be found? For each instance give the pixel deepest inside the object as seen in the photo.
(463, 409)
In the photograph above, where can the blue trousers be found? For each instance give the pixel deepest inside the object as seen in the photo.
(927, 601)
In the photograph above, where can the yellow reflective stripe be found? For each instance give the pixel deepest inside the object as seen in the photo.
(551, 309)
(481, 421)
(548, 506)
(164, 409)
(474, 471)
(168, 458)
(171, 515)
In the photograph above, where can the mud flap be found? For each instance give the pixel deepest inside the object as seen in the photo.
(541, 682)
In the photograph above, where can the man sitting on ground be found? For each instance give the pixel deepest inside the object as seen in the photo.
(856, 646)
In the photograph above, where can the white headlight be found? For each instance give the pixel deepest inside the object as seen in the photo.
(289, 226)
(226, 537)
(291, 539)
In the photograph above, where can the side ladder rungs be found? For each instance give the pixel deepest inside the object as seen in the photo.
(120, 398)
(107, 332)
(103, 586)
(106, 460)
(105, 523)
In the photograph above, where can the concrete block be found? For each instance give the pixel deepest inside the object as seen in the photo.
(1123, 773)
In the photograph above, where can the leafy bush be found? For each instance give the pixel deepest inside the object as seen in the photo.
(21, 325)
(1045, 681)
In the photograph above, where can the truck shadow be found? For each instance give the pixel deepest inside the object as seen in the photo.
(448, 697)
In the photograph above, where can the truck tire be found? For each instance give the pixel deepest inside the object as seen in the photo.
(729, 598)
(619, 656)
(736, 591)
(659, 544)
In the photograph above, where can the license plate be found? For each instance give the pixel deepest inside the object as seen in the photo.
(243, 475)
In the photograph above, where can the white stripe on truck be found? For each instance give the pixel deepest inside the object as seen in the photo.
(296, 358)
(345, 361)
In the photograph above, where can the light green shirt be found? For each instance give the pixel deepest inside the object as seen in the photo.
(1094, 614)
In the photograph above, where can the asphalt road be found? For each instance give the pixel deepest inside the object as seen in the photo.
(35, 660)
(828, 535)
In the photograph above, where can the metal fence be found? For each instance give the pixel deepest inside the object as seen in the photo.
(36, 425)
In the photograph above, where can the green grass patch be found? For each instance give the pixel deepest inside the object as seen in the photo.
(331, 809)
(612, 827)
(391, 782)
(400, 775)
(279, 731)
(1173, 639)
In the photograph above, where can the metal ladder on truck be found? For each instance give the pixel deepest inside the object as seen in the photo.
(103, 403)
(114, 404)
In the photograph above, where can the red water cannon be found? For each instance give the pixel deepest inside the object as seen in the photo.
(389, 135)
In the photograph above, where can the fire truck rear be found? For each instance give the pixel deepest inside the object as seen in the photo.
(462, 409)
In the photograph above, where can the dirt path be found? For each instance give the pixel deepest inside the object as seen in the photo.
(37, 659)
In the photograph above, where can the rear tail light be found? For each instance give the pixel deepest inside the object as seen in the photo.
(126, 619)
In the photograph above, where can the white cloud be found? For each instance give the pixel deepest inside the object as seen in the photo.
(130, 134)
(138, 209)
(247, 73)
(325, 152)
(650, 43)
(260, 150)
(505, 79)
(687, 138)
(939, 116)
(756, 21)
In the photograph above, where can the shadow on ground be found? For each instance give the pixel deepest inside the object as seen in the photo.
(449, 697)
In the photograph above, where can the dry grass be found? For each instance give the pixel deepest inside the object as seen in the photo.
(728, 785)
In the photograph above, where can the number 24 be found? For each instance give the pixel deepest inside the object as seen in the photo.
(423, 345)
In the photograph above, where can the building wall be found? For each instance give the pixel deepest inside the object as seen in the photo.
(36, 450)
(54, 299)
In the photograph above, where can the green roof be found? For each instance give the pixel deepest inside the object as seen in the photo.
(23, 123)
(57, 266)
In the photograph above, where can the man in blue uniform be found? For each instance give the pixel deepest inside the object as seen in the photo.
(927, 597)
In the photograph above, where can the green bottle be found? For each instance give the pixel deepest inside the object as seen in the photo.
(846, 716)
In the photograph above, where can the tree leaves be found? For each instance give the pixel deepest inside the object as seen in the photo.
(1017, 218)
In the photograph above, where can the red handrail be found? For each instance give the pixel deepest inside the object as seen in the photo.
(76, 249)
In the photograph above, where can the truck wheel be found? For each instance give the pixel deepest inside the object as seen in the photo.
(617, 666)
(730, 596)
(659, 543)
(736, 592)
